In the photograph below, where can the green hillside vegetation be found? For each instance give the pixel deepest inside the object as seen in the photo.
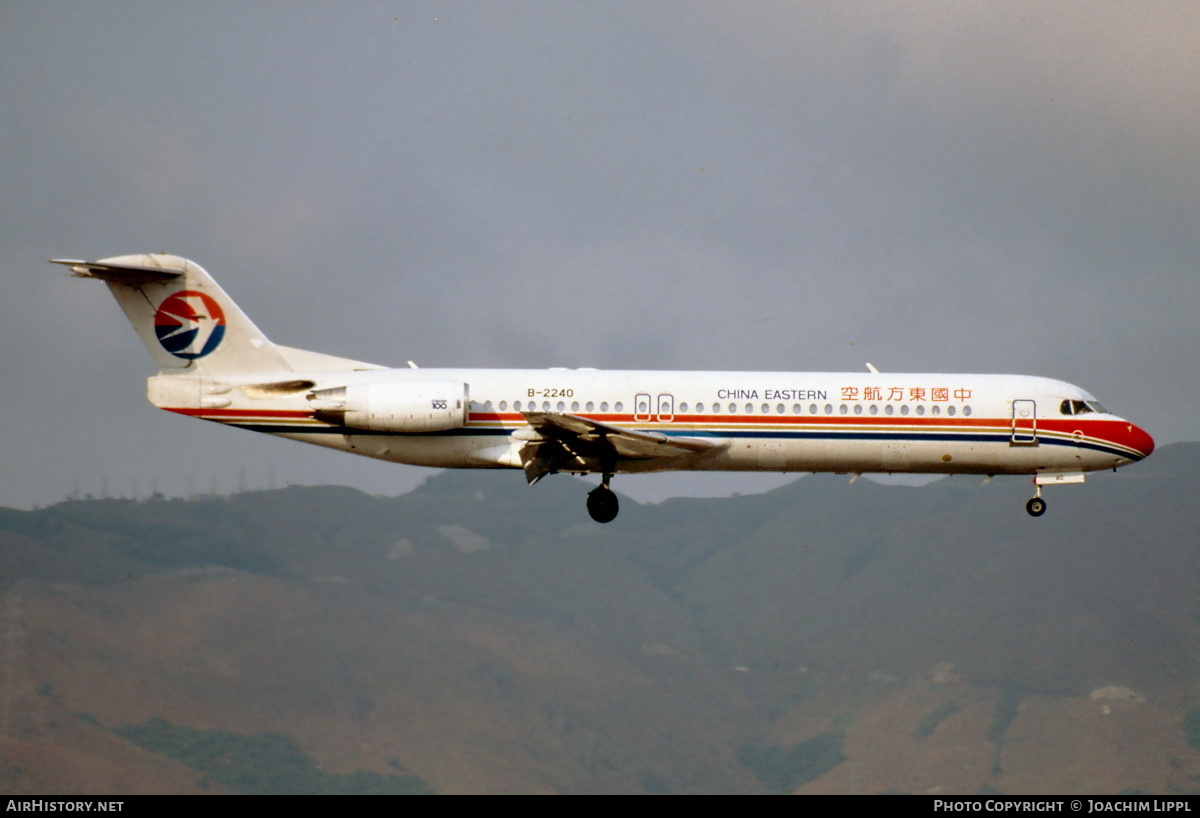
(264, 764)
(783, 770)
(1191, 726)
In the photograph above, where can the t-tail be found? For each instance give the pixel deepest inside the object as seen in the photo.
(187, 322)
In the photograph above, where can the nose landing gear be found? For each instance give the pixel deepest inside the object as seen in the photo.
(1036, 505)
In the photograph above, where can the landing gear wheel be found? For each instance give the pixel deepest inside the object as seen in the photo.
(1036, 507)
(602, 504)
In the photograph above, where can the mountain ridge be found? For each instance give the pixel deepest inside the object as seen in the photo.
(480, 636)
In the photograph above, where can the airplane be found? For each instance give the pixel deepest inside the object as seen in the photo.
(216, 365)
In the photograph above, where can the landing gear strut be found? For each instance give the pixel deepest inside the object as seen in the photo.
(1036, 505)
(602, 502)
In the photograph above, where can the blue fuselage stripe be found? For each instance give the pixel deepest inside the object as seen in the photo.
(999, 435)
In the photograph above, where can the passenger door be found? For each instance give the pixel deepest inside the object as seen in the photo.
(1024, 422)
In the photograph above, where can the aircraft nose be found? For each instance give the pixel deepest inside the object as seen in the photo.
(1140, 439)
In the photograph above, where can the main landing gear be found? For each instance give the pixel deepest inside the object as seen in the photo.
(602, 502)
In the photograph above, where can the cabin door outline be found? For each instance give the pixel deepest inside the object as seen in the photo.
(1024, 422)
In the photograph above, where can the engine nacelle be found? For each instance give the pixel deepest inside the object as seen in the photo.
(400, 406)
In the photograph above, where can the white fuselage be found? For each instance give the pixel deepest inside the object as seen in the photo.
(764, 421)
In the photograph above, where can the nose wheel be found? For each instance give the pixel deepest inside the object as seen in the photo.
(602, 502)
(1036, 505)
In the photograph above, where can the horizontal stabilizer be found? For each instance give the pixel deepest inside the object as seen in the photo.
(119, 273)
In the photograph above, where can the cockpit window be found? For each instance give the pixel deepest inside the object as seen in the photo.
(1095, 406)
(1077, 407)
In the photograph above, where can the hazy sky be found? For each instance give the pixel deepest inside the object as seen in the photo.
(980, 187)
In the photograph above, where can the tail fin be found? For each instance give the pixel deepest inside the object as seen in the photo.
(186, 321)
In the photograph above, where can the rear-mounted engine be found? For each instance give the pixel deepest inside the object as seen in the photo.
(412, 406)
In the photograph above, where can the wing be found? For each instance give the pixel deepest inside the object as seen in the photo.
(560, 442)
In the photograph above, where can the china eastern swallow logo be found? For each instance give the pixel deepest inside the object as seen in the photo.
(189, 324)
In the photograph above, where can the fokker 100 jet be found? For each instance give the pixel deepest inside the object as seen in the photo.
(216, 365)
